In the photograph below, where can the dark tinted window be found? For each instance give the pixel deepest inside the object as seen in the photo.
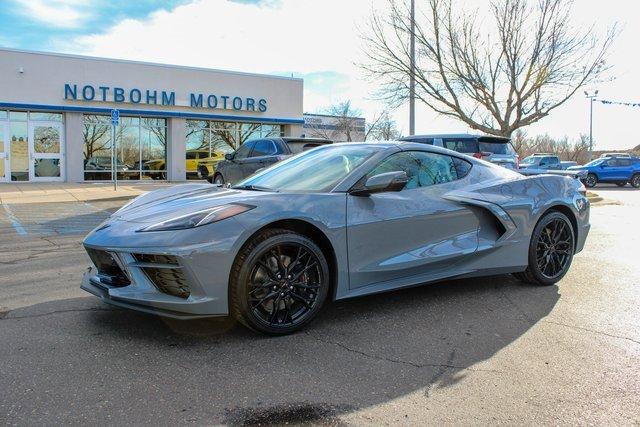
(244, 150)
(191, 155)
(497, 147)
(264, 147)
(461, 145)
(624, 162)
(423, 169)
(612, 162)
(552, 160)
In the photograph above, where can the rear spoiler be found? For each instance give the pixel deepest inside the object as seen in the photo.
(579, 174)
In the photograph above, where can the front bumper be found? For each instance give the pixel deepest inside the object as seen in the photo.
(204, 257)
(91, 283)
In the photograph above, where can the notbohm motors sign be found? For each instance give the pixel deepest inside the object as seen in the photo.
(91, 93)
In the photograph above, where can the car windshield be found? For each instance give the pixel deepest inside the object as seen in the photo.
(317, 170)
(528, 160)
(595, 162)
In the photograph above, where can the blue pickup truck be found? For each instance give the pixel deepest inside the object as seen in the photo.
(616, 170)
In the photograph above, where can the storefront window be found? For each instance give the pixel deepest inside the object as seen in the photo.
(141, 148)
(209, 141)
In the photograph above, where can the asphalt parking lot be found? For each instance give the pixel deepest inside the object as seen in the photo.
(476, 351)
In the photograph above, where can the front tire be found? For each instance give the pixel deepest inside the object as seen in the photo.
(550, 250)
(279, 282)
(218, 179)
(591, 180)
(635, 180)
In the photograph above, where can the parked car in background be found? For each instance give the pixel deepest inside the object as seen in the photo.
(97, 166)
(257, 154)
(567, 164)
(607, 155)
(541, 161)
(199, 163)
(494, 149)
(616, 170)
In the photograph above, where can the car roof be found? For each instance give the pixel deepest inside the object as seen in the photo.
(404, 146)
(314, 140)
(481, 137)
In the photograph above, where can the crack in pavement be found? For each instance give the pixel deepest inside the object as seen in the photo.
(400, 361)
(593, 331)
(4, 314)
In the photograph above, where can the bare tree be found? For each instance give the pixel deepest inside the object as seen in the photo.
(497, 76)
(382, 128)
(345, 121)
(576, 150)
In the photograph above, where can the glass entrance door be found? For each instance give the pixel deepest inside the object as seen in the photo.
(5, 175)
(46, 151)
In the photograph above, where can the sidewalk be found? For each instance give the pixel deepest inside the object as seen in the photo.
(14, 193)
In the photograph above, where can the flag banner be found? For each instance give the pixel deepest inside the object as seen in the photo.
(628, 104)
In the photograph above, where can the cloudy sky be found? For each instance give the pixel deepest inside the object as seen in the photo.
(313, 39)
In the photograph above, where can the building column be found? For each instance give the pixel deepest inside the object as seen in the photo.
(293, 130)
(74, 147)
(176, 149)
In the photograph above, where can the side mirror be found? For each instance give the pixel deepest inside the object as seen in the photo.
(229, 156)
(381, 183)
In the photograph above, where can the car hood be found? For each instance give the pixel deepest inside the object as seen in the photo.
(160, 205)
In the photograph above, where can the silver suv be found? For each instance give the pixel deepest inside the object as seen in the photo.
(494, 149)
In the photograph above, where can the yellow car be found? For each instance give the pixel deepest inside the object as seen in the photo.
(198, 164)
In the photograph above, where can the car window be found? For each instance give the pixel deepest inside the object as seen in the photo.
(263, 147)
(461, 145)
(552, 160)
(423, 169)
(244, 150)
(497, 147)
(624, 162)
(612, 162)
(191, 155)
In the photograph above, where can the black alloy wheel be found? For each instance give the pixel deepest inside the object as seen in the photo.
(591, 180)
(550, 250)
(279, 282)
(635, 180)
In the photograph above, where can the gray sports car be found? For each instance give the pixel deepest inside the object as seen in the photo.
(334, 222)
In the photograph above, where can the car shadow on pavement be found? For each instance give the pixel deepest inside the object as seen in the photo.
(356, 354)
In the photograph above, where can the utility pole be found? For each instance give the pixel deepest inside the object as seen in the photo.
(412, 76)
(591, 97)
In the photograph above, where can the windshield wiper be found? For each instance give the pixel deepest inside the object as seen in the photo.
(253, 188)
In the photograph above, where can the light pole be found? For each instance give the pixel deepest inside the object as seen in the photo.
(412, 72)
(592, 97)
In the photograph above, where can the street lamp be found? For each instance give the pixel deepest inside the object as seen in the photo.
(592, 96)
(412, 72)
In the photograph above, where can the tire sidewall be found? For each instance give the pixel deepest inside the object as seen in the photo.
(218, 177)
(242, 281)
(533, 262)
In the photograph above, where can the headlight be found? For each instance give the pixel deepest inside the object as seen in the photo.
(203, 217)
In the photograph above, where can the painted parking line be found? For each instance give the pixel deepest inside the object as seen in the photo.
(14, 221)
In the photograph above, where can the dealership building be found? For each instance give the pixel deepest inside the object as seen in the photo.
(55, 116)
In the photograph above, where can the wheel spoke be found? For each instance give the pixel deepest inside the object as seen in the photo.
(270, 272)
(301, 300)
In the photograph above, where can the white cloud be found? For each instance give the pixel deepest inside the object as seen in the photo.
(55, 13)
(310, 36)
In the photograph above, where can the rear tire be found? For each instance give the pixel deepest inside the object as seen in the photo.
(591, 180)
(218, 179)
(550, 250)
(278, 283)
(635, 180)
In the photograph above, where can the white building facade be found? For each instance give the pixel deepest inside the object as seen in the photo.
(55, 120)
(335, 128)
